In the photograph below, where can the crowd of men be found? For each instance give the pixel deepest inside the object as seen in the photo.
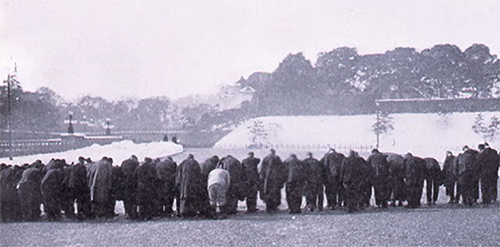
(149, 188)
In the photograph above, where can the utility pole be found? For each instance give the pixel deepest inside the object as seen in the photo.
(377, 129)
(10, 78)
(378, 126)
(9, 113)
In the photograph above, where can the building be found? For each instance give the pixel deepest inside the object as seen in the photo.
(232, 96)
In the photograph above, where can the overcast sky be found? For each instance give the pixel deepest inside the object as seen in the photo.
(142, 48)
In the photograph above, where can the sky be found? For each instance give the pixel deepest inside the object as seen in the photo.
(142, 48)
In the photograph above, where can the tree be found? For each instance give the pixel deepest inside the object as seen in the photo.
(445, 71)
(382, 125)
(190, 116)
(336, 69)
(258, 132)
(50, 96)
(478, 126)
(292, 89)
(489, 131)
(483, 71)
(29, 111)
(151, 113)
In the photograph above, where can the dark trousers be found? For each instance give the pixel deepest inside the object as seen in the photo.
(466, 188)
(432, 188)
(30, 210)
(382, 191)
(231, 200)
(204, 204)
(398, 188)
(450, 190)
(165, 205)
(83, 205)
(495, 189)
(51, 208)
(272, 199)
(10, 210)
(366, 194)
(488, 183)
(29, 205)
(100, 209)
(165, 200)
(334, 194)
(252, 198)
(294, 192)
(188, 207)
(475, 192)
(414, 194)
(353, 196)
(68, 204)
(110, 206)
(314, 195)
(130, 207)
(146, 211)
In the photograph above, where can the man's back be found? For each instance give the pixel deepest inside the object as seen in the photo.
(218, 176)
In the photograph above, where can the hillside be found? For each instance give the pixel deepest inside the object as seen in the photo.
(422, 134)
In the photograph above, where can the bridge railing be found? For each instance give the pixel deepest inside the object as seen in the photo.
(29, 147)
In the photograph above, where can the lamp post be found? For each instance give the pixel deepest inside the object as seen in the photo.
(85, 124)
(108, 128)
(70, 127)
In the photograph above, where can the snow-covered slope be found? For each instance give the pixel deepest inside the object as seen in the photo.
(119, 151)
(422, 134)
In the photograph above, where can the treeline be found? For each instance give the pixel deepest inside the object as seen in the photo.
(35, 114)
(344, 82)
(30, 111)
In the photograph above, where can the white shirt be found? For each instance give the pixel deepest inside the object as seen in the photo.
(218, 176)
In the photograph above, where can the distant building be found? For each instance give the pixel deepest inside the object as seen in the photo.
(232, 96)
